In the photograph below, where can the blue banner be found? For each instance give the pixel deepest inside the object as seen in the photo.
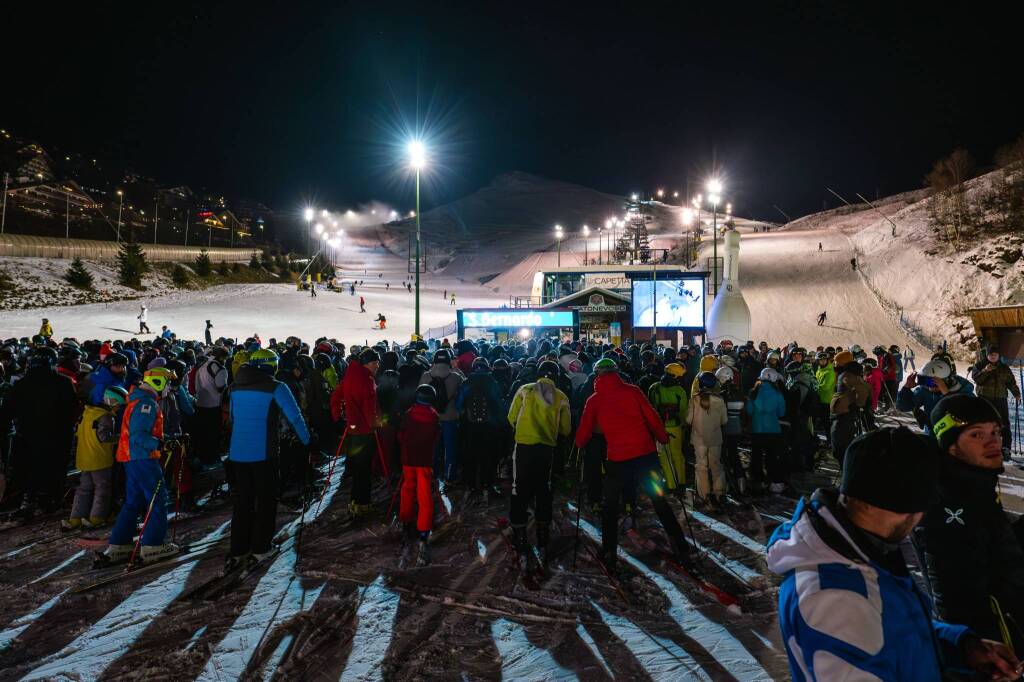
(523, 319)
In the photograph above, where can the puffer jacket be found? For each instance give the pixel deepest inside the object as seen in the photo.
(875, 378)
(995, 383)
(766, 409)
(142, 426)
(452, 381)
(418, 434)
(355, 397)
(211, 379)
(540, 414)
(625, 416)
(257, 403)
(669, 400)
(853, 395)
(849, 611)
(101, 380)
(706, 425)
(90, 453)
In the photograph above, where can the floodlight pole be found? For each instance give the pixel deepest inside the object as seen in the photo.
(417, 251)
(714, 246)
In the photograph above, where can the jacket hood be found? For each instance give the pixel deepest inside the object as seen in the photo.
(796, 544)
(607, 382)
(546, 390)
(440, 371)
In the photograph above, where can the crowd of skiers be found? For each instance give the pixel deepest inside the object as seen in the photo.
(142, 418)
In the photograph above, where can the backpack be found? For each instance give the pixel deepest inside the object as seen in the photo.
(477, 405)
(105, 427)
(442, 394)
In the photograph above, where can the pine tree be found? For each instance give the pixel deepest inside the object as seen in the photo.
(78, 276)
(131, 265)
(179, 275)
(222, 269)
(203, 266)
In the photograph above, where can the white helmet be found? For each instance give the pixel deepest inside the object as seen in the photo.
(937, 369)
(770, 375)
(724, 375)
(855, 349)
(728, 360)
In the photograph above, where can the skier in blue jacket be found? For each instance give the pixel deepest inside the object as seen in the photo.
(848, 607)
(110, 374)
(766, 407)
(923, 390)
(257, 403)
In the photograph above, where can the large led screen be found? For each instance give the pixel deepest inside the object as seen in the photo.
(679, 302)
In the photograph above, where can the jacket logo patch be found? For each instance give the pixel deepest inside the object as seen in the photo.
(146, 409)
(955, 516)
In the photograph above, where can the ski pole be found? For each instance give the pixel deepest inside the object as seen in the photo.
(579, 506)
(177, 496)
(380, 454)
(145, 521)
(330, 470)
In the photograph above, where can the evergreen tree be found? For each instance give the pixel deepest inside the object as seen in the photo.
(179, 276)
(78, 276)
(222, 269)
(203, 266)
(236, 267)
(254, 262)
(131, 265)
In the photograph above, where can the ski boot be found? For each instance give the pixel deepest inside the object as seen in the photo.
(151, 553)
(113, 554)
(423, 557)
(71, 524)
(94, 522)
(543, 536)
(233, 563)
(407, 546)
(257, 558)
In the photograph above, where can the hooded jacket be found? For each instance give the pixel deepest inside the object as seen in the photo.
(995, 383)
(355, 397)
(90, 453)
(826, 378)
(211, 379)
(142, 426)
(625, 416)
(766, 409)
(853, 395)
(669, 401)
(843, 614)
(540, 414)
(102, 379)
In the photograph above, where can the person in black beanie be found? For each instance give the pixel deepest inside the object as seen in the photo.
(848, 606)
(974, 558)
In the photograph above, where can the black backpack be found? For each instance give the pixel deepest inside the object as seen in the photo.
(477, 405)
(442, 393)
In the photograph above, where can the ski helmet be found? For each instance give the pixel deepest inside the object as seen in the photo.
(821, 356)
(43, 357)
(114, 396)
(774, 355)
(794, 367)
(548, 370)
(937, 369)
(605, 365)
(894, 348)
(158, 379)
(674, 369)
(724, 375)
(708, 363)
(855, 348)
(707, 381)
(426, 394)
(500, 364)
(117, 359)
(442, 357)
(770, 375)
(481, 365)
(728, 361)
(955, 413)
(264, 359)
(843, 358)
(870, 362)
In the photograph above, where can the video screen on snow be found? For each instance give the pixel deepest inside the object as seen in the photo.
(680, 303)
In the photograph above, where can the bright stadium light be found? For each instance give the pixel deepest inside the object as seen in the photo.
(417, 155)
(308, 214)
(714, 186)
(319, 228)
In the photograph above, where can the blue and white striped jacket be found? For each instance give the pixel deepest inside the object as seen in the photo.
(845, 619)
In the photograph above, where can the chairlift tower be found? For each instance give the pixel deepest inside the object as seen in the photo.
(634, 245)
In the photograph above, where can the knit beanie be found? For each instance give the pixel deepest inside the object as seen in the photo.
(955, 413)
(893, 469)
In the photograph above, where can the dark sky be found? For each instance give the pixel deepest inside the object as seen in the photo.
(301, 101)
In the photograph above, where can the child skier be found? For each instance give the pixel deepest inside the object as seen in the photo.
(418, 436)
(94, 457)
(142, 434)
(707, 415)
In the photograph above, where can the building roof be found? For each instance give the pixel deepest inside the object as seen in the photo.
(585, 294)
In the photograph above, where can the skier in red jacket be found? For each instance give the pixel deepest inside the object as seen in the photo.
(418, 436)
(355, 398)
(631, 426)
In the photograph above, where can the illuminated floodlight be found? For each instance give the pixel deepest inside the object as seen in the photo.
(334, 223)
(586, 231)
(324, 213)
(687, 216)
(524, 333)
(349, 213)
(633, 196)
(608, 224)
(417, 155)
(324, 236)
(319, 228)
(714, 199)
(714, 186)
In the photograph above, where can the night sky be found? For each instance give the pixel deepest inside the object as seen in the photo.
(305, 101)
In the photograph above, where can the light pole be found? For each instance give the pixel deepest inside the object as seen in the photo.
(3, 214)
(558, 237)
(119, 207)
(418, 160)
(714, 188)
(67, 213)
(586, 245)
(308, 215)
